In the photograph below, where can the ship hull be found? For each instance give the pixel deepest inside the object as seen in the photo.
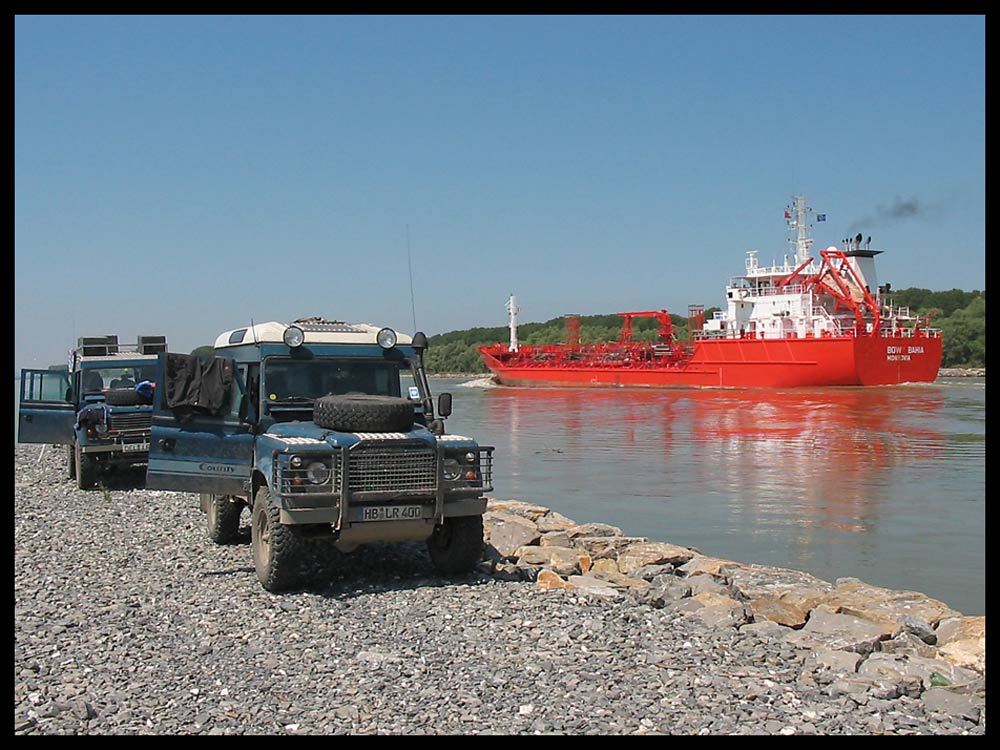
(742, 363)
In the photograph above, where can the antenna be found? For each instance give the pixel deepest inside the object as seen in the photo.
(253, 332)
(409, 265)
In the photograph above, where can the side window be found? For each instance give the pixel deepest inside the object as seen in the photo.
(248, 407)
(44, 385)
(237, 391)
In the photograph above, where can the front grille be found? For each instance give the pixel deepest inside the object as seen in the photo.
(130, 421)
(386, 467)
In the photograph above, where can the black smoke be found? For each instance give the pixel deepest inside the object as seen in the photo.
(900, 210)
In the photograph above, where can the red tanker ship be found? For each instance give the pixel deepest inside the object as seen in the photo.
(799, 323)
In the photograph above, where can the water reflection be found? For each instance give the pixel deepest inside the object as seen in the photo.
(861, 482)
(814, 458)
(827, 449)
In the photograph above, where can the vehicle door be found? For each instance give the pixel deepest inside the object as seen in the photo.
(45, 413)
(196, 448)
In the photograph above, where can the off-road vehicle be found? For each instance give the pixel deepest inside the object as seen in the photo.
(322, 429)
(99, 408)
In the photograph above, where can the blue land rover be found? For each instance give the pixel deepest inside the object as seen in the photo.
(321, 429)
(99, 408)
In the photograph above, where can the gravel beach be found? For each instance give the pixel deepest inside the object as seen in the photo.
(129, 621)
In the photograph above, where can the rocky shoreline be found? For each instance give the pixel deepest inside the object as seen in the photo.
(129, 621)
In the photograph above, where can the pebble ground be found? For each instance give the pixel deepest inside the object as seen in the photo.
(128, 620)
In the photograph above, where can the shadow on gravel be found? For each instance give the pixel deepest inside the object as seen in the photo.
(122, 480)
(378, 567)
(374, 567)
(328, 572)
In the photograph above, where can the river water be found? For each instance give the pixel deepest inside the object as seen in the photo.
(885, 484)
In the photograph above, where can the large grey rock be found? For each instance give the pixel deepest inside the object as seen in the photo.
(962, 641)
(563, 560)
(885, 606)
(507, 533)
(778, 594)
(553, 521)
(594, 529)
(830, 630)
(605, 547)
(640, 554)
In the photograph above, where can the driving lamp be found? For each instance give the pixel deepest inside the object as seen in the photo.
(293, 337)
(386, 338)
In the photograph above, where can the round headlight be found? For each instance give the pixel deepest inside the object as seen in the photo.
(452, 470)
(386, 338)
(318, 472)
(293, 336)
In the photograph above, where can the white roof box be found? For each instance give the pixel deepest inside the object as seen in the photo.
(316, 330)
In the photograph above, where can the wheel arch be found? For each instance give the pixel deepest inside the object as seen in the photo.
(257, 480)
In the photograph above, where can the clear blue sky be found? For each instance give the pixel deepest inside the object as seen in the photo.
(182, 175)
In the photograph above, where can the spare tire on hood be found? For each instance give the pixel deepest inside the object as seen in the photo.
(124, 397)
(361, 412)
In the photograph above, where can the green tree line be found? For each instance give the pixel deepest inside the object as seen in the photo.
(961, 316)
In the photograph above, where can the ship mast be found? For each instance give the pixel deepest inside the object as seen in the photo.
(797, 214)
(512, 310)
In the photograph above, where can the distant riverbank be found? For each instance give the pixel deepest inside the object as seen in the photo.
(962, 372)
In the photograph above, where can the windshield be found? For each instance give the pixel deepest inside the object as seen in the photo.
(295, 381)
(97, 379)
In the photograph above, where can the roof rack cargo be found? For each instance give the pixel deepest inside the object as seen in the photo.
(106, 346)
(152, 344)
(97, 346)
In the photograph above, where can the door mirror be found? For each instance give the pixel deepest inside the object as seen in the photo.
(444, 405)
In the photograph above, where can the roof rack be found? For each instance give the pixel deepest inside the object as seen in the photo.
(106, 346)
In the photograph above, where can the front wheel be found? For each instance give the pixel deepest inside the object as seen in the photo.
(456, 546)
(276, 553)
(86, 470)
(223, 514)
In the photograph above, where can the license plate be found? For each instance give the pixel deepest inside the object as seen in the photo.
(134, 447)
(389, 513)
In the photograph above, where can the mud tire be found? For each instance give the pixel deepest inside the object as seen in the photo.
(86, 470)
(223, 514)
(456, 546)
(277, 553)
(359, 412)
(124, 397)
